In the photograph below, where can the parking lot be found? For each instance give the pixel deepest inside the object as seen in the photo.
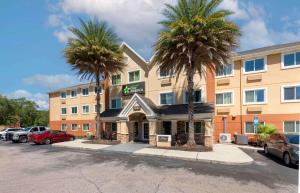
(44, 168)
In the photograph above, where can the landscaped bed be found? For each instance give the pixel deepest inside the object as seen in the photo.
(198, 148)
(102, 141)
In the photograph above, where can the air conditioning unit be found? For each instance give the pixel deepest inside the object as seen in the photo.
(225, 138)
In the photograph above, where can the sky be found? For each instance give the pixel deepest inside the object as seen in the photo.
(34, 33)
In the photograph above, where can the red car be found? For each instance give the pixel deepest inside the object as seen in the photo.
(50, 136)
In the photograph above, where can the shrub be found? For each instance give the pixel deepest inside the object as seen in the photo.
(264, 131)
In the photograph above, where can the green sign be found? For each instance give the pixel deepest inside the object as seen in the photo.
(130, 89)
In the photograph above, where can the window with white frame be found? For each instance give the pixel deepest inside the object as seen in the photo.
(95, 108)
(249, 127)
(255, 96)
(73, 93)
(63, 95)
(197, 96)
(167, 98)
(85, 126)
(85, 109)
(85, 92)
(291, 126)
(63, 110)
(74, 127)
(116, 103)
(74, 110)
(165, 73)
(224, 70)
(255, 65)
(291, 60)
(224, 98)
(291, 93)
(116, 79)
(96, 89)
(63, 127)
(134, 76)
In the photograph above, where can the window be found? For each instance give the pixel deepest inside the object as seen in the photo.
(74, 110)
(63, 111)
(199, 127)
(74, 127)
(125, 60)
(95, 89)
(86, 127)
(291, 60)
(256, 96)
(85, 92)
(291, 93)
(64, 127)
(167, 127)
(225, 98)
(95, 108)
(73, 93)
(114, 127)
(224, 70)
(197, 97)
(42, 129)
(165, 73)
(167, 98)
(63, 95)
(249, 127)
(256, 65)
(116, 79)
(85, 109)
(134, 76)
(116, 103)
(291, 126)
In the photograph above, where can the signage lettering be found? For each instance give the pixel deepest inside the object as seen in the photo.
(130, 89)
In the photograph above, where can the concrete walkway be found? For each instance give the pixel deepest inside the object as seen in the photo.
(222, 153)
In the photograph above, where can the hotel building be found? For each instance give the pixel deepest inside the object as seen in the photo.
(143, 101)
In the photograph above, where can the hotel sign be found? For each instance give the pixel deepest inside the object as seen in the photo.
(130, 89)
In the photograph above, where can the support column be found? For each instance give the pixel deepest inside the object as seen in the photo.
(174, 127)
(124, 131)
(208, 141)
(152, 131)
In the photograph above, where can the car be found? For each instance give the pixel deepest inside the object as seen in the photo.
(49, 136)
(6, 133)
(284, 146)
(22, 136)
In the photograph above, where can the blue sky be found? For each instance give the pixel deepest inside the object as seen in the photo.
(34, 33)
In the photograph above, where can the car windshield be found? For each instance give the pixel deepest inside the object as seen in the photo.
(26, 129)
(294, 139)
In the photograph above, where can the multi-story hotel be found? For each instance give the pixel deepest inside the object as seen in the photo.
(143, 101)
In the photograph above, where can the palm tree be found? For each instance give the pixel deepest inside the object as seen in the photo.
(95, 55)
(196, 37)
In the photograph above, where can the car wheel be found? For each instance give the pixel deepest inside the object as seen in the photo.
(23, 139)
(47, 141)
(266, 149)
(14, 141)
(286, 159)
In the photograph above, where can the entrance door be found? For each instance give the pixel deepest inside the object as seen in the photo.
(146, 131)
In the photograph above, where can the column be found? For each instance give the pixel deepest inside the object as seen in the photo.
(124, 132)
(208, 137)
(152, 131)
(174, 127)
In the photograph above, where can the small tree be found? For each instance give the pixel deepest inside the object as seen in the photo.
(264, 131)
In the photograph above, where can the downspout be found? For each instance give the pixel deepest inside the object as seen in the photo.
(241, 97)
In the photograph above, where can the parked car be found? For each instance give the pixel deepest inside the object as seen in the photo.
(49, 136)
(6, 133)
(284, 146)
(22, 136)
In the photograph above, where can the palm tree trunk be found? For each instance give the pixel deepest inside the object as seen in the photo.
(98, 122)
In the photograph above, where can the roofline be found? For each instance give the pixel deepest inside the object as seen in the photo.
(131, 49)
(73, 87)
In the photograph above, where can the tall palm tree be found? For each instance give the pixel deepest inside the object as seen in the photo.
(196, 37)
(95, 55)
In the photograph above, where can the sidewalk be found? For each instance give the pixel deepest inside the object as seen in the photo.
(222, 153)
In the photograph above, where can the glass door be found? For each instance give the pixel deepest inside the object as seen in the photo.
(146, 131)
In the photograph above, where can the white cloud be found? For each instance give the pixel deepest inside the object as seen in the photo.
(54, 20)
(51, 81)
(233, 5)
(63, 35)
(40, 99)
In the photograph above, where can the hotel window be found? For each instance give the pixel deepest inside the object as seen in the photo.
(134, 76)
(291, 126)
(199, 127)
(224, 70)
(73, 93)
(249, 127)
(85, 92)
(95, 108)
(63, 95)
(95, 89)
(116, 103)
(165, 73)
(85, 109)
(116, 79)
(256, 96)
(291, 93)
(86, 127)
(256, 65)
(225, 98)
(167, 98)
(63, 111)
(197, 97)
(74, 127)
(291, 60)
(114, 127)
(63, 127)
(74, 110)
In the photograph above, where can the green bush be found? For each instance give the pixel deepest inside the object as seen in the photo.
(264, 131)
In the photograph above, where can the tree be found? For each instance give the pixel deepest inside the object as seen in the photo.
(196, 37)
(95, 55)
(264, 131)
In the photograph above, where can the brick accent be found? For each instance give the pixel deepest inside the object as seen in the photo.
(56, 125)
(152, 140)
(124, 138)
(210, 85)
